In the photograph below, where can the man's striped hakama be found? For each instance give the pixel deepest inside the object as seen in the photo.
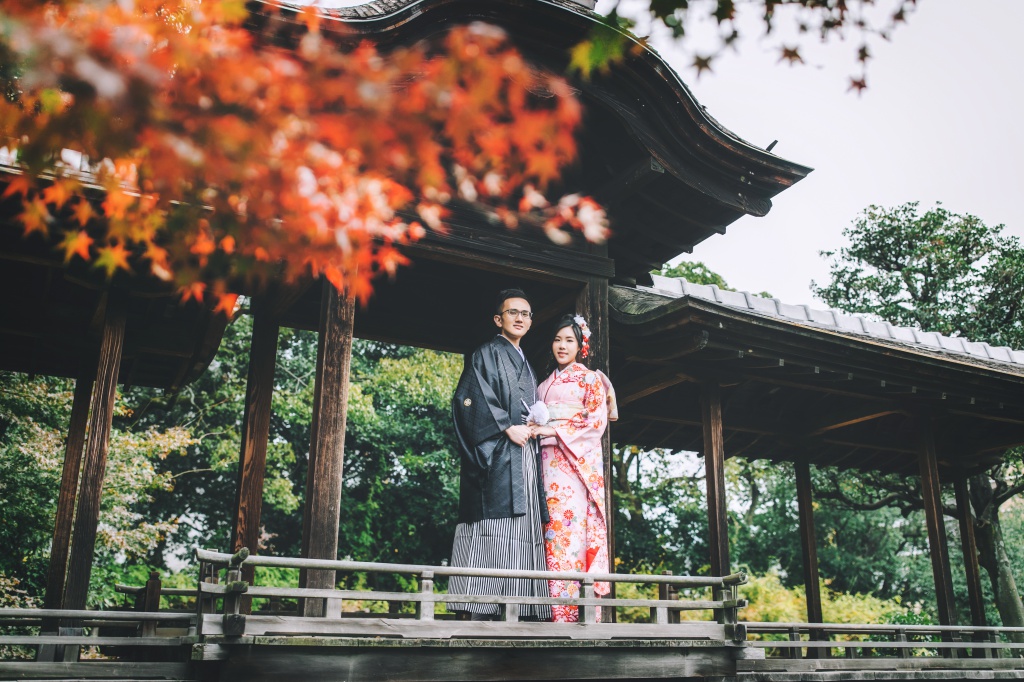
(508, 543)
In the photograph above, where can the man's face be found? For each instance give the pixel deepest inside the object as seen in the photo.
(514, 327)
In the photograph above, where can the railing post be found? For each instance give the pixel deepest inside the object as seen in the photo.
(728, 615)
(235, 587)
(425, 609)
(151, 602)
(660, 614)
(795, 652)
(994, 638)
(901, 636)
(588, 613)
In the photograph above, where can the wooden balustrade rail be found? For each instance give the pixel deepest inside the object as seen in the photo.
(725, 602)
(903, 641)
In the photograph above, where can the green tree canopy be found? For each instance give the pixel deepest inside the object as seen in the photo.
(951, 273)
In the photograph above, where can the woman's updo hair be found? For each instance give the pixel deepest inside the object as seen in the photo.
(568, 320)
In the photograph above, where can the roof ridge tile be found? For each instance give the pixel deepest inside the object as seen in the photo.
(830, 318)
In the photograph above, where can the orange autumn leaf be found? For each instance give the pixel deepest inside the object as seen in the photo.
(76, 244)
(19, 185)
(225, 304)
(117, 203)
(291, 162)
(35, 217)
(59, 192)
(193, 290)
(112, 258)
(83, 212)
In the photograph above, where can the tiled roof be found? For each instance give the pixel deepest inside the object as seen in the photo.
(835, 321)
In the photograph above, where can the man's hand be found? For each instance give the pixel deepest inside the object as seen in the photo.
(518, 434)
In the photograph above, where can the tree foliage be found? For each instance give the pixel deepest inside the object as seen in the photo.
(937, 270)
(860, 23)
(226, 155)
(34, 415)
(946, 272)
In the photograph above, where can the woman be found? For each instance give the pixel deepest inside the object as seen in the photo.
(580, 403)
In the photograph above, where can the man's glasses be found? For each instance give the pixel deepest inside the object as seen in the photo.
(513, 313)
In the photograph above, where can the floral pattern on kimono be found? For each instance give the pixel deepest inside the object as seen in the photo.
(580, 403)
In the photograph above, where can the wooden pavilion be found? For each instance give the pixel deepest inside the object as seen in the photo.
(697, 368)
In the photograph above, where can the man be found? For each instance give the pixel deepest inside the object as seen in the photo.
(501, 514)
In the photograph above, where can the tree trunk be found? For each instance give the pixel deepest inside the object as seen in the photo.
(992, 554)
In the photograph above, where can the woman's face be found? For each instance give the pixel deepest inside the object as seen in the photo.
(565, 347)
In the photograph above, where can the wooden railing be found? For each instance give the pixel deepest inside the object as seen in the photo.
(329, 604)
(125, 643)
(877, 645)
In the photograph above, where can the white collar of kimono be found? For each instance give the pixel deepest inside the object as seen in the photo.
(518, 349)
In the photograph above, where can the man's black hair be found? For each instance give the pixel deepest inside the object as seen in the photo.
(506, 294)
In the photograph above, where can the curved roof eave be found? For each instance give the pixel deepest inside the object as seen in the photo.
(749, 175)
(669, 294)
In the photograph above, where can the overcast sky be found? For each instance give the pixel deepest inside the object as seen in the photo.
(940, 121)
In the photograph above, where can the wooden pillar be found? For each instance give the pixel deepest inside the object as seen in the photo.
(808, 540)
(94, 464)
(714, 468)
(326, 452)
(931, 493)
(73, 448)
(970, 548)
(592, 304)
(252, 457)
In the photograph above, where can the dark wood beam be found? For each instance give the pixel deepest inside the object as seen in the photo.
(630, 180)
(970, 549)
(94, 463)
(592, 303)
(847, 418)
(808, 541)
(287, 295)
(931, 492)
(761, 430)
(327, 444)
(73, 448)
(252, 457)
(563, 304)
(650, 384)
(987, 416)
(714, 468)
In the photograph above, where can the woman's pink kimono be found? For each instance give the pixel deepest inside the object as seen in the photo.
(580, 402)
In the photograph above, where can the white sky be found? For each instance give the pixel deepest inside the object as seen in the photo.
(940, 121)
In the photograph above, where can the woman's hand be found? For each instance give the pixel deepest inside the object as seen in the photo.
(539, 430)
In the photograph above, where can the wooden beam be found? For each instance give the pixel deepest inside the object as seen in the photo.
(252, 457)
(327, 444)
(931, 492)
(592, 303)
(987, 416)
(62, 526)
(287, 295)
(73, 448)
(561, 305)
(970, 549)
(95, 460)
(858, 417)
(633, 178)
(808, 541)
(650, 384)
(760, 430)
(714, 468)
